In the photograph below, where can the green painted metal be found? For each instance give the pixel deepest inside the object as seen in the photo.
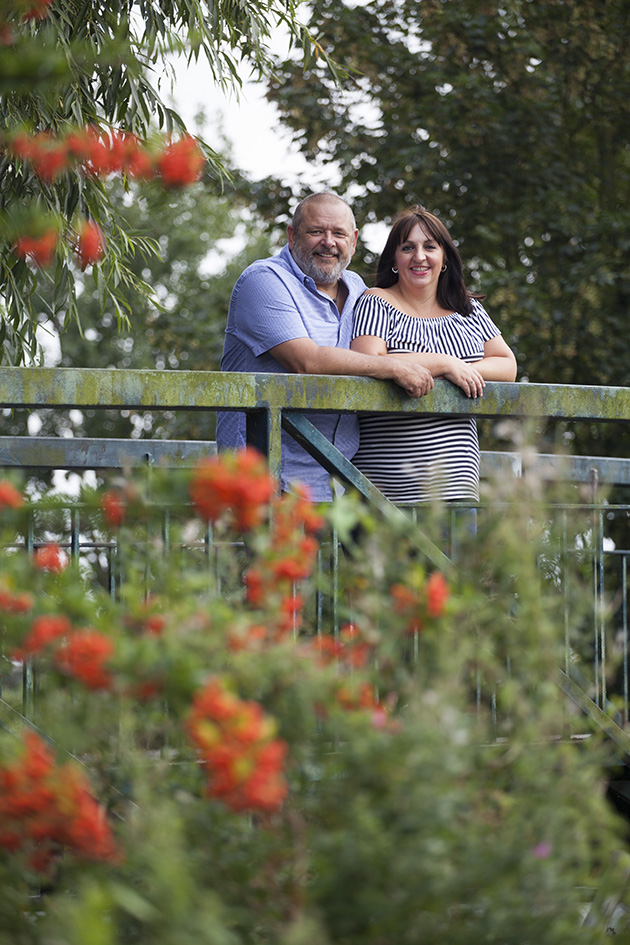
(336, 463)
(200, 390)
(278, 401)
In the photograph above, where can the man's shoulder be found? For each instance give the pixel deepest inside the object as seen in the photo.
(278, 264)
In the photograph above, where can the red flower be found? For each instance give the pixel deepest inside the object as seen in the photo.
(44, 630)
(14, 603)
(10, 498)
(41, 249)
(91, 243)
(238, 481)
(83, 657)
(437, 594)
(407, 604)
(140, 164)
(47, 155)
(113, 507)
(244, 762)
(50, 557)
(37, 10)
(43, 807)
(181, 163)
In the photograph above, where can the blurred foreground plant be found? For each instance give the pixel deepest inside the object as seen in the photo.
(233, 742)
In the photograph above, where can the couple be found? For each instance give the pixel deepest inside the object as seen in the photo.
(303, 312)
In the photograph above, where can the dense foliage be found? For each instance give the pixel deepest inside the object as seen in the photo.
(69, 66)
(511, 121)
(224, 747)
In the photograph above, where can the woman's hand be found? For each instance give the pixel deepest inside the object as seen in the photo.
(464, 375)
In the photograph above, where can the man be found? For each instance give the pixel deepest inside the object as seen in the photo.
(292, 313)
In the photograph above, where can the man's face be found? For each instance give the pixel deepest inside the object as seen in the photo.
(325, 240)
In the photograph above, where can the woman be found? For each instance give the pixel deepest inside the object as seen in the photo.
(421, 309)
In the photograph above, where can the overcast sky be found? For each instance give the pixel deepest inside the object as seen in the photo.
(260, 146)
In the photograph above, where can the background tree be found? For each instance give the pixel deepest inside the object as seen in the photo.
(68, 64)
(511, 121)
(205, 241)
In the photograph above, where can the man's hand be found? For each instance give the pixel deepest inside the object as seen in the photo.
(415, 379)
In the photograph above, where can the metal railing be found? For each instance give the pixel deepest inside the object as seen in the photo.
(276, 403)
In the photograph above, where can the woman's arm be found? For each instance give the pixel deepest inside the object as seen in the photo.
(497, 364)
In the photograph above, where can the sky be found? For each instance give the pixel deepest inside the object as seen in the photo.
(260, 146)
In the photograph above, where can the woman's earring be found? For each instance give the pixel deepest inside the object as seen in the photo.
(394, 270)
(444, 268)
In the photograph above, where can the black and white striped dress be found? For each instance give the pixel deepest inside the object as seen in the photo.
(415, 459)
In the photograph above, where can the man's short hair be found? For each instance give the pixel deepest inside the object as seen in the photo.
(323, 195)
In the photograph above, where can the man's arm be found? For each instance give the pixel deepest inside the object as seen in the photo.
(303, 356)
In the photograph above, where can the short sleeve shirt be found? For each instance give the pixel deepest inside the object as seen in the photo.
(274, 301)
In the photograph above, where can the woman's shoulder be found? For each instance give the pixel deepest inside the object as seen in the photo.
(375, 294)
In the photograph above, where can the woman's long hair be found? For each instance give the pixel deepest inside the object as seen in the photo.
(451, 291)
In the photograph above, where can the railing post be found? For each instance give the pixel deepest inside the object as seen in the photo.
(263, 432)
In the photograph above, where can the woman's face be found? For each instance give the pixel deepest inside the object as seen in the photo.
(419, 260)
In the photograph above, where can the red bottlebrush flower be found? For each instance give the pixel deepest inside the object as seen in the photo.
(78, 144)
(243, 761)
(361, 697)
(90, 244)
(50, 558)
(238, 481)
(83, 657)
(43, 807)
(140, 164)
(10, 498)
(181, 163)
(41, 249)
(37, 10)
(98, 154)
(14, 603)
(407, 604)
(248, 638)
(254, 587)
(113, 507)
(48, 156)
(438, 592)
(44, 630)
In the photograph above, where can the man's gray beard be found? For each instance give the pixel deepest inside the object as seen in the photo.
(319, 275)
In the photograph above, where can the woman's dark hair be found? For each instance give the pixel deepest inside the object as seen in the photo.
(451, 291)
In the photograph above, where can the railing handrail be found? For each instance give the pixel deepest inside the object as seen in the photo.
(106, 388)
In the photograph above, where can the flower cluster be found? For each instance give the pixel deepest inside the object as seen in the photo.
(243, 760)
(94, 153)
(90, 243)
(10, 498)
(418, 604)
(50, 557)
(348, 647)
(100, 153)
(23, 10)
(270, 582)
(37, 9)
(11, 603)
(41, 248)
(113, 507)
(45, 808)
(239, 482)
(80, 654)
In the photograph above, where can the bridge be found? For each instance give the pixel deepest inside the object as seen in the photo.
(277, 402)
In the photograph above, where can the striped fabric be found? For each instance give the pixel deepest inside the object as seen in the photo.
(417, 459)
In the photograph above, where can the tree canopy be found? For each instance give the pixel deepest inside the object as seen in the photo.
(511, 121)
(69, 64)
